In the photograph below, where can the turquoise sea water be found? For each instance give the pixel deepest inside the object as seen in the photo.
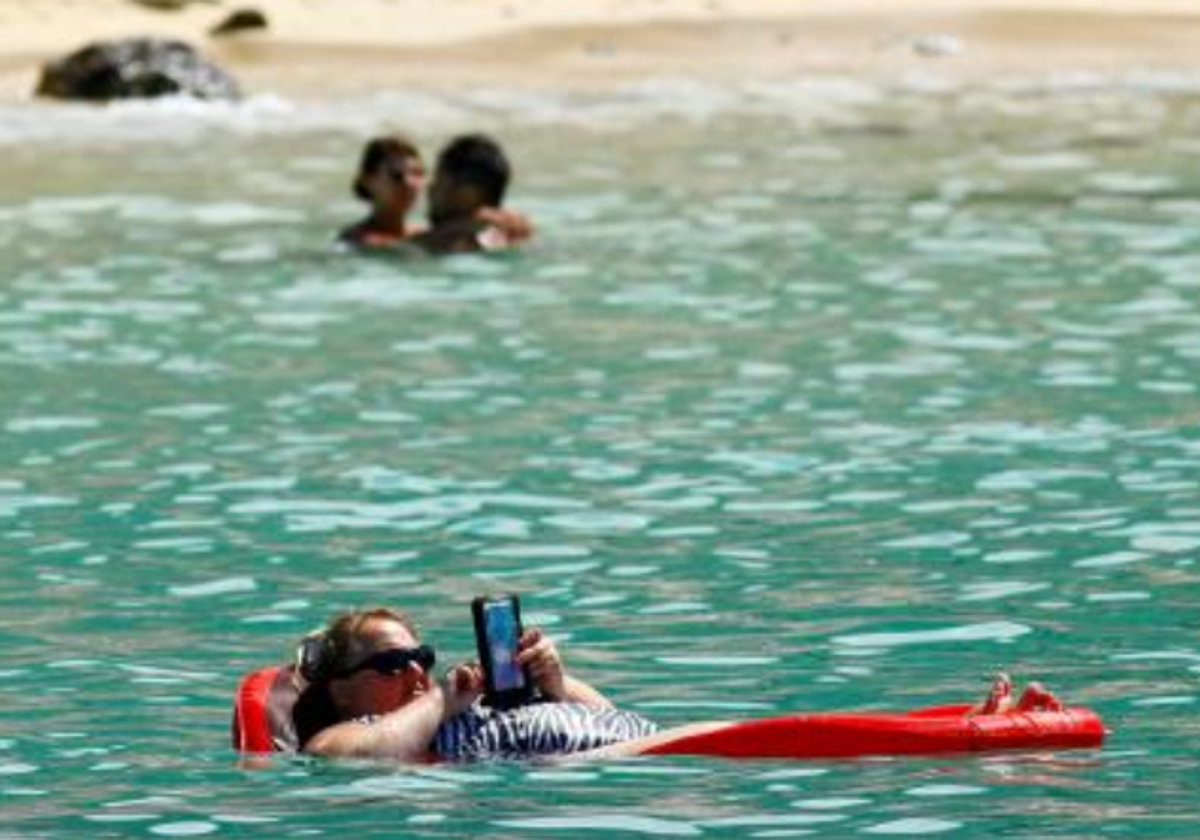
(809, 397)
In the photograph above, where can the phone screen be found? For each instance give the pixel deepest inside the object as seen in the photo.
(503, 634)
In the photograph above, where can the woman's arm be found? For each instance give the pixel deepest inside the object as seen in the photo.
(406, 733)
(513, 226)
(577, 691)
(540, 655)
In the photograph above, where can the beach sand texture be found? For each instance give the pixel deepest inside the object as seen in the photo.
(317, 48)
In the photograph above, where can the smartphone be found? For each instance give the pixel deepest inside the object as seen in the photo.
(497, 634)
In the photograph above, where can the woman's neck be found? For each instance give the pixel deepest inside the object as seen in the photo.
(388, 222)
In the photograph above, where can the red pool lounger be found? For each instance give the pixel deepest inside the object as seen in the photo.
(940, 730)
(262, 711)
(262, 723)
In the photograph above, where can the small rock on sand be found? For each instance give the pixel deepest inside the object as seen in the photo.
(241, 20)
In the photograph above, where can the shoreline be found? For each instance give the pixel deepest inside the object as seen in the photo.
(595, 45)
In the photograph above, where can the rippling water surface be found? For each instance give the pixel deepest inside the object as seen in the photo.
(810, 397)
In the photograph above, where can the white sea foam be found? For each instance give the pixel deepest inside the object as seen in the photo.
(918, 826)
(988, 631)
(617, 823)
(805, 100)
(224, 586)
(156, 210)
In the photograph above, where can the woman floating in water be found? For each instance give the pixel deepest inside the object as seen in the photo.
(371, 694)
(464, 199)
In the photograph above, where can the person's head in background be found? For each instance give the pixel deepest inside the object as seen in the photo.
(391, 176)
(472, 173)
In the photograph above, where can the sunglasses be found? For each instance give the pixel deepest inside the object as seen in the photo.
(396, 661)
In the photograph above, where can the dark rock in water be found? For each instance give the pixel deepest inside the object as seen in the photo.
(135, 68)
(240, 21)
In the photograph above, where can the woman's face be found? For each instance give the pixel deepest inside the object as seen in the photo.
(368, 692)
(396, 184)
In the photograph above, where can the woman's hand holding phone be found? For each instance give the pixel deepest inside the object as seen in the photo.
(538, 653)
(516, 660)
(461, 687)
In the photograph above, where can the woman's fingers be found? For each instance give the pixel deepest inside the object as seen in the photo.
(465, 677)
(474, 675)
(531, 637)
(539, 655)
(543, 650)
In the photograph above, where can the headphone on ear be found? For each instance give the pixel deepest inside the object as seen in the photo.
(315, 656)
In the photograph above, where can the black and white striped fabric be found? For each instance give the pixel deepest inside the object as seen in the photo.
(540, 729)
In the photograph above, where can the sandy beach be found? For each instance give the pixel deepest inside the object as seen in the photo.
(319, 49)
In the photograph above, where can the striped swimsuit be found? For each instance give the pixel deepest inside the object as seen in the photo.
(540, 729)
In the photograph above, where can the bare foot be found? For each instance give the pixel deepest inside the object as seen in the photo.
(1037, 698)
(999, 697)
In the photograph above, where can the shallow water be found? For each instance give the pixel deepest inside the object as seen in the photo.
(809, 397)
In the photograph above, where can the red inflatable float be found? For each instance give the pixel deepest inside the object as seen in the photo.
(940, 730)
(262, 711)
(262, 724)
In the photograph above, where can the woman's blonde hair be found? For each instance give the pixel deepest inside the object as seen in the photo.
(337, 647)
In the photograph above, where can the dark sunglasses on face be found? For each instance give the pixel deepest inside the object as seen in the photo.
(396, 661)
